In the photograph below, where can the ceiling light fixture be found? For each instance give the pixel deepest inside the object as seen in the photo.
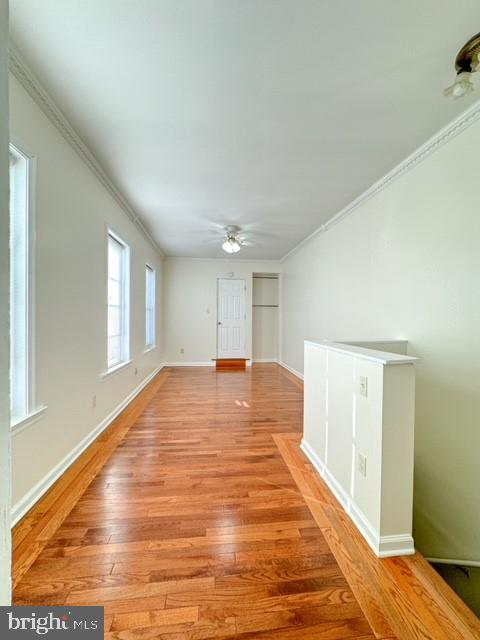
(231, 244)
(467, 63)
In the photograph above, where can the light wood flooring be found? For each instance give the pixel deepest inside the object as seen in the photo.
(195, 515)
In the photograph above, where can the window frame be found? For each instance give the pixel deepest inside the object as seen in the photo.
(31, 411)
(150, 311)
(125, 282)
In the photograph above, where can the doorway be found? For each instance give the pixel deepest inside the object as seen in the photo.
(265, 317)
(231, 318)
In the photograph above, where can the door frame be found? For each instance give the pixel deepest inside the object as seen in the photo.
(217, 321)
(5, 433)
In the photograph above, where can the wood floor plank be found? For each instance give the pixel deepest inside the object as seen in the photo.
(401, 597)
(132, 591)
(195, 516)
(39, 525)
(153, 618)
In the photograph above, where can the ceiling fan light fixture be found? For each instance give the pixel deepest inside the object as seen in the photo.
(462, 86)
(467, 63)
(231, 245)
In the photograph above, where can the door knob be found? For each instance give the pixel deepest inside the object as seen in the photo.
(219, 322)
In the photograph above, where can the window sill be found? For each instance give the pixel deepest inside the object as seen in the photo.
(32, 417)
(151, 347)
(115, 369)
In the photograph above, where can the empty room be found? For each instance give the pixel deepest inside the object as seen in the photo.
(240, 319)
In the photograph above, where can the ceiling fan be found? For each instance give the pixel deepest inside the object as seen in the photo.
(232, 241)
(233, 237)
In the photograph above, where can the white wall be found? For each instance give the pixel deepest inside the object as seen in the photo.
(73, 210)
(265, 312)
(5, 580)
(406, 264)
(190, 305)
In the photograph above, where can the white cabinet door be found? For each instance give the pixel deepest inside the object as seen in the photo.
(231, 318)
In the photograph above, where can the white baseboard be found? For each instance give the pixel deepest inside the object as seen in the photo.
(291, 369)
(401, 545)
(210, 363)
(383, 546)
(36, 492)
(260, 360)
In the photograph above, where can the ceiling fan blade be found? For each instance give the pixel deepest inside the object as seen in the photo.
(257, 235)
(218, 240)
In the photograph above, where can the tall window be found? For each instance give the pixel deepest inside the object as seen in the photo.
(21, 393)
(149, 307)
(118, 331)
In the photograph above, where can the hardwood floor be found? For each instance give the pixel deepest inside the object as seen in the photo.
(196, 516)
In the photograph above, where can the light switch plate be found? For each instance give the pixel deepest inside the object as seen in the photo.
(362, 464)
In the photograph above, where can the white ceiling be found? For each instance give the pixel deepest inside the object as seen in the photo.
(268, 114)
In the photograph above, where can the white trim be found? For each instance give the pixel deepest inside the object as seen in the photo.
(29, 499)
(33, 416)
(150, 348)
(126, 307)
(210, 363)
(37, 91)
(190, 364)
(455, 561)
(383, 546)
(400, 545)
(358, 343)
(32, 279)
(381, 357)
(153, 274)
(291, 369)
(451, 130)
(260, 360)
(23, 151)
(273, 261)
(364, 343)
(280, 318)
(116, 369)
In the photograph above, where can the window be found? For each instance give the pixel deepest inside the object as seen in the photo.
(149, 307)
(21, 330)
(118, 331)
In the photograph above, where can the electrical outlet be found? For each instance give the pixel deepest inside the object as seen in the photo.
(94, 401)
(363, 386)
(182, 350)
(136, 371)
(362, 464)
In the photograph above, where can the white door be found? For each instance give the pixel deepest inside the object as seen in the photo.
(231, 318)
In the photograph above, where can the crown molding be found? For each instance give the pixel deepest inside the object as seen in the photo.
(450, 131)
(274, 261)
(22, 72)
